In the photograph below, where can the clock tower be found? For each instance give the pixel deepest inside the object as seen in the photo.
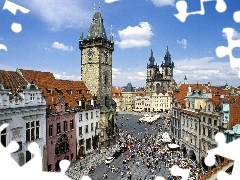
(96, 73)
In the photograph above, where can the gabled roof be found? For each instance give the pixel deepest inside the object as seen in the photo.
(12, 80)
(46, 81)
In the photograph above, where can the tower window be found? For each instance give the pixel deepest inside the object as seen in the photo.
(105, 79)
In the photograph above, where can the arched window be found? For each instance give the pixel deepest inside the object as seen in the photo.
(150, 72)
(62, 145)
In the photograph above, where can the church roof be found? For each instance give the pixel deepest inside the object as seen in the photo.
(97, 29)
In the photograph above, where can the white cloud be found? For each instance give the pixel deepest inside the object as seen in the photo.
(134, 78)
(160, 3)
(66, 77)
(142, 74)
(205, 70)
(111, 1)
(236, 35)
(137, 36)
(61, 46)
(116, 71)
(183, 43)
(60, 14)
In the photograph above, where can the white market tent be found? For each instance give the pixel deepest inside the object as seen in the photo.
(173, 146)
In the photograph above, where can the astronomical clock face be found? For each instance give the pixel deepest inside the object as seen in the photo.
(90, 53)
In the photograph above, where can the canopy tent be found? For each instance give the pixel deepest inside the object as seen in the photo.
(173, 146)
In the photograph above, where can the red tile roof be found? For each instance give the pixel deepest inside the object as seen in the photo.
(46, 81)
(12, 80)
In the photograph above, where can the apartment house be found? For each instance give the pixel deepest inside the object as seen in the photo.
(23, 107)
(72, 117)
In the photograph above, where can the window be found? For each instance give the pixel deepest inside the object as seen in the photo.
(32, 130)
(105, 79)
(58, 128)
(72, 156)
(210, 133)
(71, 124)
(4, 137)
(91, 126)
(50, 130)
(65, 126)
(209, 121)
(86, 115)
(86, 130)
(81, 142)
(32, 97)
(91, 115)
(67, 105)
(96, 125)
(69, 92)
(80, 130)
(79, 91)
(203, 132)
(215, 123)
(28, 156)
(204, 119)
(49, 91)
(80, 117)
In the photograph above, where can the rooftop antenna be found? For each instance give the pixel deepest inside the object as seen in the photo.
(99, 6)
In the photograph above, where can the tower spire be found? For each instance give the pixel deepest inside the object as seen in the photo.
(111, 35)
(81, 33)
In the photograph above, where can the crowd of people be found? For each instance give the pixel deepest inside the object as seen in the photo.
(144, 149)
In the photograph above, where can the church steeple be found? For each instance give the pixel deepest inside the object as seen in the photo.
(151, 59)
(97, 29)
(167, 57)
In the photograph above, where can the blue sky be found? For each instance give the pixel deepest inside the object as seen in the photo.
(50, 33)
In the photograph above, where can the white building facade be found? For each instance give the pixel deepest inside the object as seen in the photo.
(26, 115)
(87, 130)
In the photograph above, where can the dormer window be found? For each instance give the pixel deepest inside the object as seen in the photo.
(79, 91)
(49, 91)
(69, 92)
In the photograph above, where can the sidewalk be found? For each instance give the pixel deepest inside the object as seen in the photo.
(94, 160)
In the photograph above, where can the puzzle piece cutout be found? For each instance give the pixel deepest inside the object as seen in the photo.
(13, 8)
(182, 7)
(222, 51)
(32, 169)
(227, 150)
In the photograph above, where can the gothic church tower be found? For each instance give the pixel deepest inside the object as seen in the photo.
(96, 73)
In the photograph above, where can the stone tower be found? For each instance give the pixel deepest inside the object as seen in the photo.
(167, 71)
(152, 69)
(96, 73)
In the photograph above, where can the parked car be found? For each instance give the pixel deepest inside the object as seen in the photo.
(116, 154)
(109, 160)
